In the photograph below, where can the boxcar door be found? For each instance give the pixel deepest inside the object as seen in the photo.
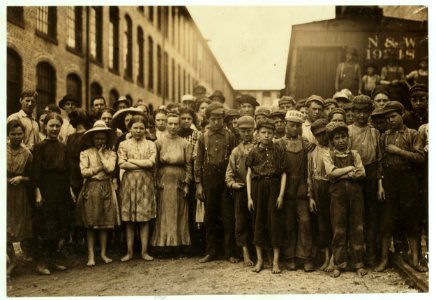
(316, 70)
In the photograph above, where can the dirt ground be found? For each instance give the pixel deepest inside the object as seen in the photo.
(188, 277)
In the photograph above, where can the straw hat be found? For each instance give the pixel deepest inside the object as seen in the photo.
(100, 126)
(118, 117)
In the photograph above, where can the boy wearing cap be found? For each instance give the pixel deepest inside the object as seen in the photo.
(381, 96)
(213, 150)
(247, 105)
(236, 174)
(345, 170)
(286, 103)
(419, 101)
(329, 105)
(122, 103)
(318, 189)
(266, 182)
(403, 149)
(315, 106)
(231, 122)
(366, 141)
(278, 117)
(298, 235)
(378, 120)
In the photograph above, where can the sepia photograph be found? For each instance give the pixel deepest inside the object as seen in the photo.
(216, 149)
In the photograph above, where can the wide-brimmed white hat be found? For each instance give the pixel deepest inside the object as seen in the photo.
(100, 126)
(119, 116)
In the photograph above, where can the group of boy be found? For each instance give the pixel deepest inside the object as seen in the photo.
(296, 184)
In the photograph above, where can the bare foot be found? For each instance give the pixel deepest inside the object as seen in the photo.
(308, 266)
(361, 272)
(276, 268)
(382, 266)
(106, 259)
(127, 257)
(258, 267)
(248, 262)
(336, 273)
(324, 265)
(292, 265)
(91, 262)
(147, 257)
(233, 260)
(331, 266)
(207, 258)
(419, 268)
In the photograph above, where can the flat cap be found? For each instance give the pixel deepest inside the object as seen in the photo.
(294, 116)
(245, 98)
(287, 100)
(315, 98)
(380, 89)
(246, 122)
(392, 106)
(319, 126)
(348, 106)
(268, 123)
(262, 111)
(199, 88)
(231, 113)
(279, 113)
(419, 88)
(362, 102)
(378, 112)
(330, 101)
(333, 127)
(188, 98)
(341, 96)
(121, 99)
(215, 108)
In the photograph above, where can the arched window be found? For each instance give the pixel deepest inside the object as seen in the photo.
(46, 84)
(74, 87)
(14, 81)
(113, 96)
(165, 76)
(96, 90)
(127, 47)
(114, 38)
(150, 63)
(140, 56)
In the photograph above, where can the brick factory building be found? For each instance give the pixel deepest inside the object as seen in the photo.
(155, 54)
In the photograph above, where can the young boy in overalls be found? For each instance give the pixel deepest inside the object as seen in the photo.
(296, 206)
(266, 182)
(318, 189)
(366, 141)
(213, 151)
(235, 179)
(402, 148)
(345, 170)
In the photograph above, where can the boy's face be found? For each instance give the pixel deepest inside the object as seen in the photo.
(280, 125)
(340, 140)
(361, 115)
(246, 109)
(329, 108)
(293, 129)
(161, 121)
(419, 102)
(380, 100)
(265, 135)
(216, 122)
(246, 134)
(379, 123)
(349, 117)
(337, 118)
(260, 118)
(322, 138)
(286, 106)
(370, 70)
(395, 121)
(314, 111)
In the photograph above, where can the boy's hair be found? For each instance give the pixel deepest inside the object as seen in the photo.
(335, 111)
(14, 123)
(97, 97)
(29, 93)
(363, 102)
(79, 116)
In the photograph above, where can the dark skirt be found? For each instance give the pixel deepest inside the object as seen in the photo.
(19, 213)
(97, 205)
(268, 221)
(51, 218)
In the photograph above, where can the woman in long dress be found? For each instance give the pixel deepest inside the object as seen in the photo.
(97, 202)
(174, 175)
(137, 156)
(18, 206)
